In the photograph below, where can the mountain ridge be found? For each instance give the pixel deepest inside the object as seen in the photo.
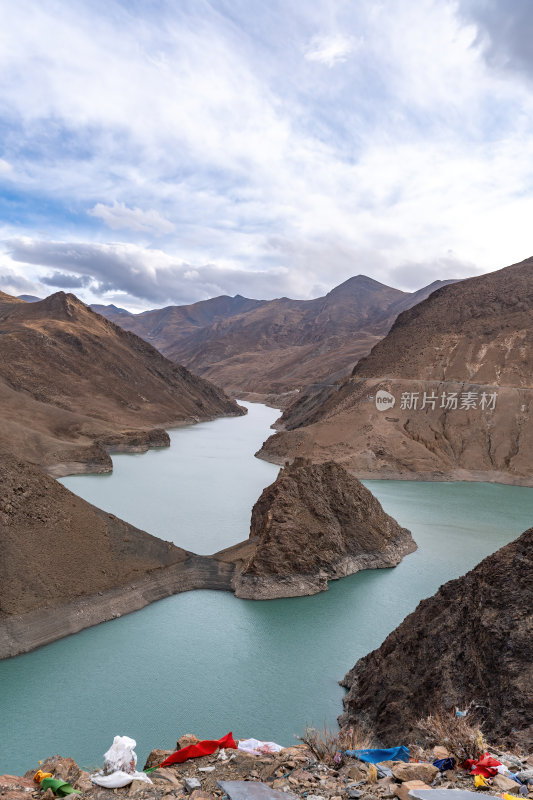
(274, 346)
(74, 385)
(454, 376)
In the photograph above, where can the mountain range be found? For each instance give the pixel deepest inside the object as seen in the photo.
(278, 346)
(446, 395)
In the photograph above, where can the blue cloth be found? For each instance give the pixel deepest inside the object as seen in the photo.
(400, 753)
(444, 764)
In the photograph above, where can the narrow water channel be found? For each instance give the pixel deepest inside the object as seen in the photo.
(206, 662)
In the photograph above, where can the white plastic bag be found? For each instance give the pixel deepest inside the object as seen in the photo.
(121, 756)
(120, 762)
(256, 746)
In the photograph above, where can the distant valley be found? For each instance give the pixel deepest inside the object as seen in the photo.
(272, 347)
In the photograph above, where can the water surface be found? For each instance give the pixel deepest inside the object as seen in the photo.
(205, 662)
(199, 492)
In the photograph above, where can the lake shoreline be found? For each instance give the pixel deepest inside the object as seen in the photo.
(23, 633)
(452, 476)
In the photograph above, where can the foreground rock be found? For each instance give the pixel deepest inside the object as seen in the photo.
(295, 772)
(468, 645)
(446, 395)
(313, 524)
(74, 386)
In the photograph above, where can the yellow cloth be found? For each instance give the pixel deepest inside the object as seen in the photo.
(507, 796)
(40, 776)
(480, 781)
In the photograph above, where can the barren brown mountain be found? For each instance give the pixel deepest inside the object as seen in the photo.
(447, 394)
(56, 546)
(73, 385)
(276, 346)
(467, 646)
(313, 524)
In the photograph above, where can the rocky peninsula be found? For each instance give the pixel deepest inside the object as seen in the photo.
(69, 565)
(315, 523)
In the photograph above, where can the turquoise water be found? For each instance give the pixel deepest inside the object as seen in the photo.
(199, 492)
(205, 662)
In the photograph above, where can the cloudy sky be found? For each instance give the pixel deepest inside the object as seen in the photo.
(169, 151)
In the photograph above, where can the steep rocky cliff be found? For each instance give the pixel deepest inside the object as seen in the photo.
(74, 385)
(447, 394)
(68, 565)
(468, 644)
(313, 524)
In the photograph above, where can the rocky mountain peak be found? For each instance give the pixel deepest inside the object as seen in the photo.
(361, 283)
(61, 305)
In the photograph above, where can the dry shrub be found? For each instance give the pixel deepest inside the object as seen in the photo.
(372, 775)
(458, 735)
(329, 747)
(323, 744)
(356, 737)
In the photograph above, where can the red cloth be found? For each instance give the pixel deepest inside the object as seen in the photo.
(203, 748)
(486, 766)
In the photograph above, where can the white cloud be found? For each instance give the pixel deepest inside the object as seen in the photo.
(5, 167)
(119, 216)
(331, 50)
(152, 275)
(408, 275)
(14, 282)
(217, 134)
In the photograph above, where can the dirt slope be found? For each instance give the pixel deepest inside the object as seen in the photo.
(7, 298)
(55, 546)
(73, 384)
(469, 643)
(447, 394)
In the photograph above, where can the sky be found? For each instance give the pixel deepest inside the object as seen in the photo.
(156, 152)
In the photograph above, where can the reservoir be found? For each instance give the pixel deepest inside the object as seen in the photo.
(205, 662)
